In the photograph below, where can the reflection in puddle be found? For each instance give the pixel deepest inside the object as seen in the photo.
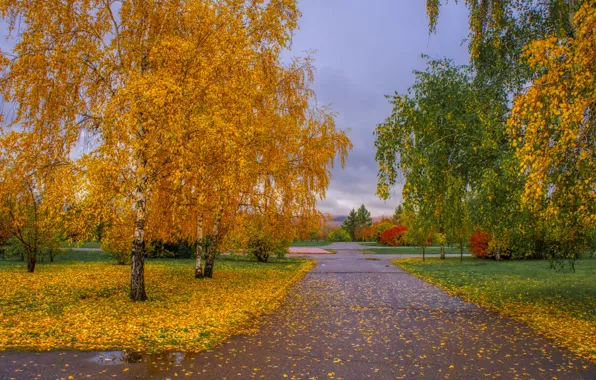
(124, 357)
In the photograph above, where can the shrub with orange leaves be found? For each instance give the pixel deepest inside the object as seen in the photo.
(479, 243)
(364, 233)
(394, 236)
(380, 227)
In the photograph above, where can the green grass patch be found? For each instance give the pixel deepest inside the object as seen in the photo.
(311, 243)
(82, 303)
(371, 244)
(559, 304)
(73, 255)
(409, 250)
(87, 244)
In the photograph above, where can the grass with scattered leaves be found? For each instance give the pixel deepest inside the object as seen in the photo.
(559, 304)
(83, 304)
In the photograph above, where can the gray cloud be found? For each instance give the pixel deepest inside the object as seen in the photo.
(366, 50)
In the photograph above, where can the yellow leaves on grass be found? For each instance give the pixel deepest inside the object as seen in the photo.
(84, 305)
(557, 305)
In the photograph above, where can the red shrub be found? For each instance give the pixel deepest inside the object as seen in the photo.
(479, 243)
(394, 236)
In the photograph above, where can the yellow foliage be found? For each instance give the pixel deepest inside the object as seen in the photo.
(553, 125)
(193, 116)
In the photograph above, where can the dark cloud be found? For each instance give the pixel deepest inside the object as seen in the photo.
(366, 50)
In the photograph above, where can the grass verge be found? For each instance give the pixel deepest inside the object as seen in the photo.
(310, 243)
(371, 244)
(85, 306)
(408, 250)
(558, 304)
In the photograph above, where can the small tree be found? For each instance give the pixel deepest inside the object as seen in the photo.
(394, 236)
(36, 191)
(379, 228)
(261, 246)
(339, 235)
(419, 230)
(479, 242)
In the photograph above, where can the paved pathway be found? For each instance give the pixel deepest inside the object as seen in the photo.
(309, 250)
(350, 318)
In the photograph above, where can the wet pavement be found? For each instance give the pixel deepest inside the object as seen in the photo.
(354, 316)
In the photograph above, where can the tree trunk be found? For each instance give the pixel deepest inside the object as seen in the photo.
(210, 259)
(442, 252)
(571, 17)
(212, 249)
(209, 263)
(423, 249)
(461, 251)
(498, 254)
(31, 260)
(199, 253)
(137, 273)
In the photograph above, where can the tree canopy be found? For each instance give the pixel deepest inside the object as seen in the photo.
(506, 143)
(191, 118)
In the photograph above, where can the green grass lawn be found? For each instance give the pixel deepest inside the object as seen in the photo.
(87, 244)
(81, 302)
(559, 304)
(414, 250)
(371, 244)
(311, 243)
(73, 255)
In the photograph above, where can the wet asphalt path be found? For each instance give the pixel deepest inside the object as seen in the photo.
(350, 318)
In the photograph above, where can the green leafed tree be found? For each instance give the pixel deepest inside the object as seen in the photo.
(535, 53)
(500, 30)
(419, 228)
(437, 138)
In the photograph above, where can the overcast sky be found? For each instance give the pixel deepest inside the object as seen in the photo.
(366, 49)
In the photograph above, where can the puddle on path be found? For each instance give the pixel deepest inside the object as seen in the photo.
(131, 357)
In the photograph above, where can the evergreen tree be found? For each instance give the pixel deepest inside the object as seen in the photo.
(351, 223)
(363, 217)
(357, 219)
